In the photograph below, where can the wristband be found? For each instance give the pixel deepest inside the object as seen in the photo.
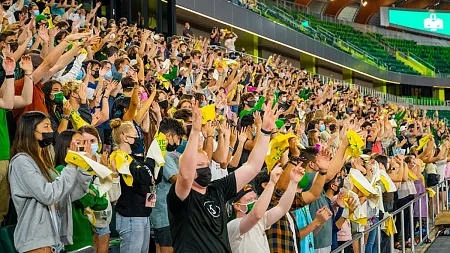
(66, 117)
(210, 137)
(266, 133)
(9, 76)
(323, 173)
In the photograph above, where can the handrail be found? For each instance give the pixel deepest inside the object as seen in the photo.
(360, 236)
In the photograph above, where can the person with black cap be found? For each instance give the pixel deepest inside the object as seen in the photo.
(246, 232)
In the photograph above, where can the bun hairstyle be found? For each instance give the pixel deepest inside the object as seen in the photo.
(119, 127)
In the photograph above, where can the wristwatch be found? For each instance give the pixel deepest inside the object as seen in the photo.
(9, 76)
(323, 173)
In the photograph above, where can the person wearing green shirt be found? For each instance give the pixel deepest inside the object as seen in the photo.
(83, 229)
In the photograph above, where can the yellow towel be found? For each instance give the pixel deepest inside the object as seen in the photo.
(123, 161)
(277, 147)
(355, 144)
(157, 151)
(208, 113)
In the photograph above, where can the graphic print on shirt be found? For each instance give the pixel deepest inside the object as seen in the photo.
(212, 208)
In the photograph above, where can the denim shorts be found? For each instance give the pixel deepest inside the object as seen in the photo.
(163, 237)
(103, 231)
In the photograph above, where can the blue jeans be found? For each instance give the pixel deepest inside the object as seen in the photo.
(372, 246)
(134, 234)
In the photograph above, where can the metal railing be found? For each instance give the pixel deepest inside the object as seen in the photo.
(400, 213)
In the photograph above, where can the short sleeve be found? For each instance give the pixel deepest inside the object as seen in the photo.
(227, 185)
(175, 204)
(170, 168)
(234, 233)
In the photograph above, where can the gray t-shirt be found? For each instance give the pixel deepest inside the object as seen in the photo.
(323, 238)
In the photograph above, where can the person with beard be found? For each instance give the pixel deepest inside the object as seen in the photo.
(196, 205)
(335, 202)
(174, 132)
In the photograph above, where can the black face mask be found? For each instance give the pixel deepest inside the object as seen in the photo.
(171, 147)
(6, 7)
(47, 139)
(13, 46)
(132, 56)
(135, 145)
(203, 176)
(96, 74)
(293, 125)
(251, 104)
(164, 104)
(188, 130)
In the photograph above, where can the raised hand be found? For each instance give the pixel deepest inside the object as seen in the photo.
(196, 118)
(96, 118)
(270, 116)
(258, 120)
(297, 173)
(275, 174)
(82, 92)
(26, 64)
(243, 135)
(9, 64)
(77, 36)
(67, 109)
(43, 34)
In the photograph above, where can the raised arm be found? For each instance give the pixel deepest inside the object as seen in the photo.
(7, 100)
(188, 161)
(256, 159)
(260, 207)
(274, 214)
(26, 97)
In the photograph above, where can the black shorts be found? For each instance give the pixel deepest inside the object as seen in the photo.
(163, 237)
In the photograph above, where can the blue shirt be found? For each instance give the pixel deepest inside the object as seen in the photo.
(159, 217)
(303, 218)
(57, 11)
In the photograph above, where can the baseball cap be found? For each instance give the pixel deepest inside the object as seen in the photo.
(40, 17)
(403, 128)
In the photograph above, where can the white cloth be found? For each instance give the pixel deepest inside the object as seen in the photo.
(254, 241)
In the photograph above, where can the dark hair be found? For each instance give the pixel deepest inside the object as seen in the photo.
(171, 125)
(26, 142)
(123, 19)
(93, 63)
(262, 177)
(110, 51)
(6, 34)
(309, 155)
(118, 108)
(382, 159)
(127, 83)
(186, 97)
(61, 145)
(183, 114)
(47, 90)
(61, 35)
(62, 24)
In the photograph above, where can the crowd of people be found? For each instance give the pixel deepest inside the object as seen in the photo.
(195, 147)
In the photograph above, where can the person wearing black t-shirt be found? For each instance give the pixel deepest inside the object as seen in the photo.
(196, 206)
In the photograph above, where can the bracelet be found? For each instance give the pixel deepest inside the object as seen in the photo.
(105, 97)
(210, 136)
(65, 117)
(323, 173)
(9, 76)
(266, 133)
(231, 149)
